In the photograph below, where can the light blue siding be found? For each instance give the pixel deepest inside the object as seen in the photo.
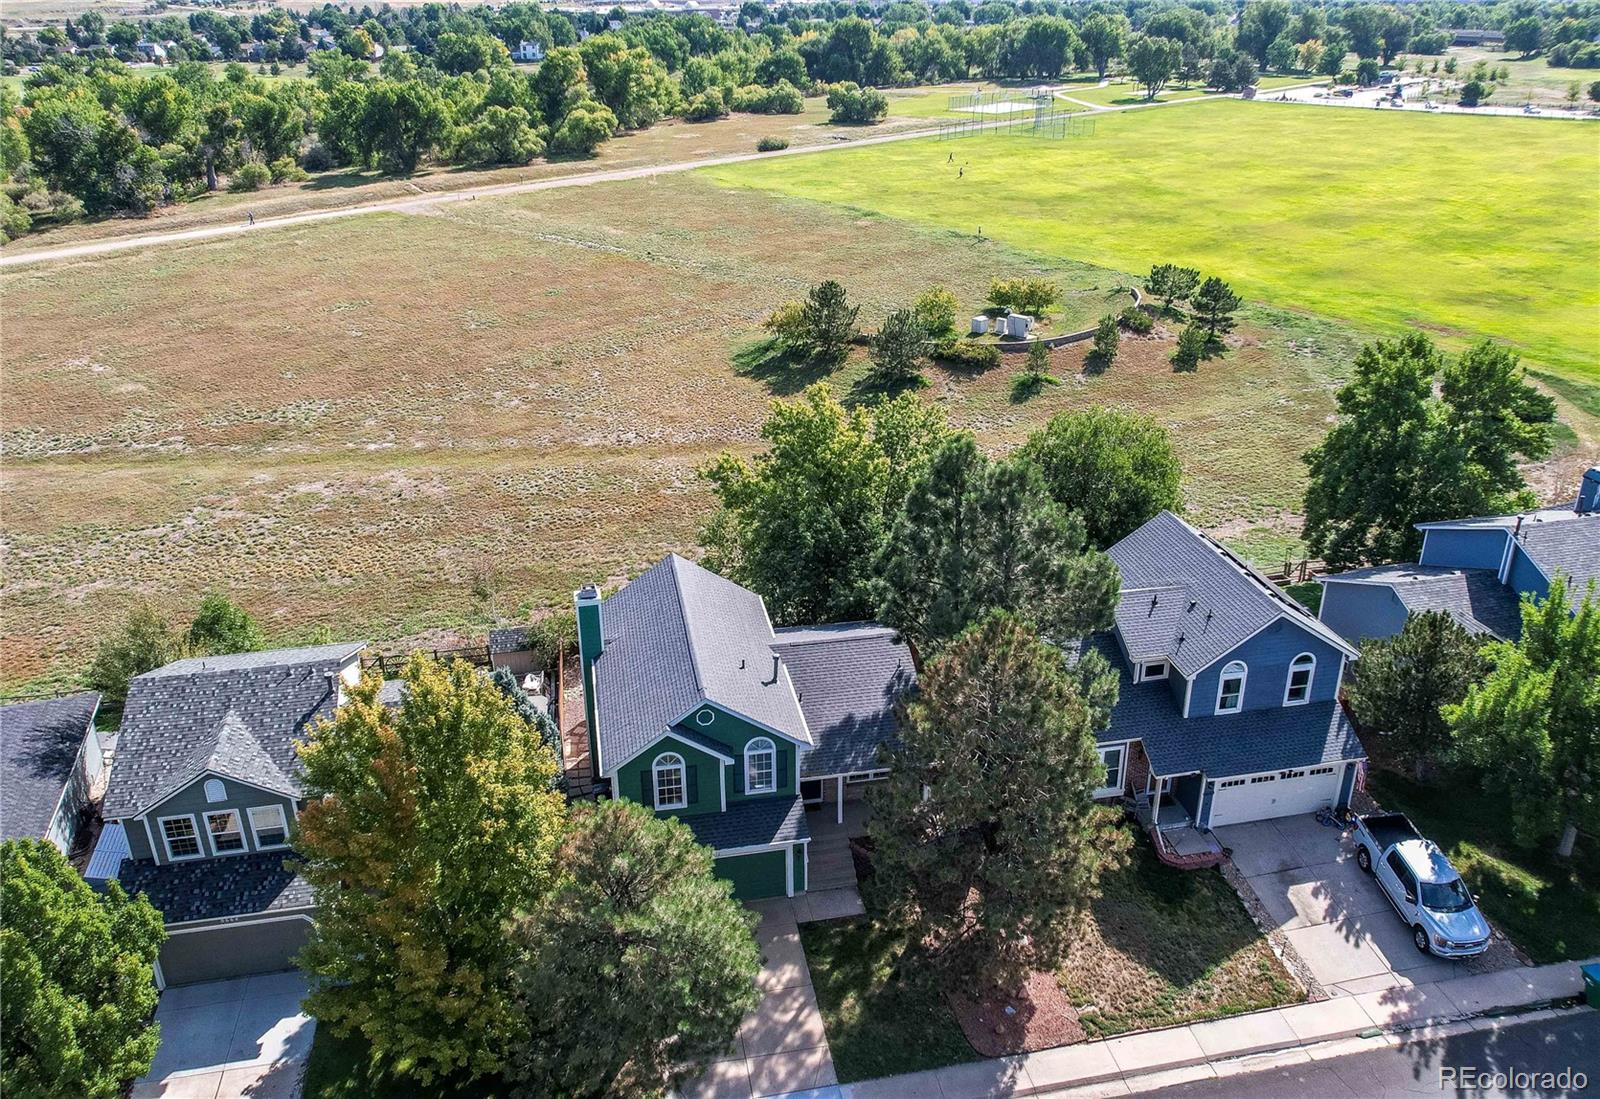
(1524, 576)
(1267, 656)
(1357, 611)
(1464, 549)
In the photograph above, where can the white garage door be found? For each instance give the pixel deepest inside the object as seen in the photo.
(1278, 794)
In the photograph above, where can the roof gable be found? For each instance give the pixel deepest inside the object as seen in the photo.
(1188, 598)
(39, 746)
(1572, 548)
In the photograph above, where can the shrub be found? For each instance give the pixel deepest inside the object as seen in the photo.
(708, 106)
(285, 170)
(771, 144)
(935, 310)
(782, 98)
(1033, 297)
(1030, 382)
(588, 125)
(1107, 338)
(967, 354)
(1475, 92)
(1137, 321)
(849, 104)
(318, 158)
(1192, 344)
(250, 176)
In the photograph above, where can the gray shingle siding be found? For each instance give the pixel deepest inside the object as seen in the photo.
(39, 747)
(850, 678)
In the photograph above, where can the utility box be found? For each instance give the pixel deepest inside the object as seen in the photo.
(1018, 325)
(980, 325)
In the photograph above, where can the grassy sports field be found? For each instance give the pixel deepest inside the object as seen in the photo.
(1465, 226)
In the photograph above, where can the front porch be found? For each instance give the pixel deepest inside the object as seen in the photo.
(831, 887)
(1167, 807)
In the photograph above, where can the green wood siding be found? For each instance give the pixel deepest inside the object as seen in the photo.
(754, 876)
(635, 780)
(191, 801)
(733, 733)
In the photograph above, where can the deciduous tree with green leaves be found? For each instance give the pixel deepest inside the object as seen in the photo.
(1152, 61)
(1400, 455)
(1115, 469)
(222, 626)
(802, 523)
(77, 974)
(640, 963)
(427, 828)
(977, 535)
(988, 846)
(935, 310)
(1532, 726)
(1397, 687)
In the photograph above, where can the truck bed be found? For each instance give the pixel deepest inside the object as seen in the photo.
(1388, 829)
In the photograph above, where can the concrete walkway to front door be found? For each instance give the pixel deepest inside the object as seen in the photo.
(781, 1048)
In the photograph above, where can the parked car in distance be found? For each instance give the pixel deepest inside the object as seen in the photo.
(1422, 885)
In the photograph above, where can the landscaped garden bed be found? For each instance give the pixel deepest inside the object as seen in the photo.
(1164, 947)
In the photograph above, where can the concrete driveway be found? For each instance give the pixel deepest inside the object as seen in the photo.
(222, 1039)
(1333, 914)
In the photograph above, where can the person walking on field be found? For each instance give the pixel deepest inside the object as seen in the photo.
(251, 215)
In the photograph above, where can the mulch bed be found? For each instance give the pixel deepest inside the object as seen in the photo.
(1036, 1017)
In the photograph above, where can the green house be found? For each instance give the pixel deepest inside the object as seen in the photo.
(698, 708)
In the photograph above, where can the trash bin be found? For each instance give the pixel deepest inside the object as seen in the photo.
(1591, 985)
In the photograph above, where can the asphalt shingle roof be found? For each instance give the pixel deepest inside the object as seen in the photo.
(679, 637)
(752, 824)
(39, 745)
(1473, 597)
(1227, 600)
(849, 678)
(208, 889)
(1233, 744)
(238, 716)
(1572, 547)
(512, 639)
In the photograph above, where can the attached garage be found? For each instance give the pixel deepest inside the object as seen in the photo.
(1274, 794)
(212, 953)
(756, 875)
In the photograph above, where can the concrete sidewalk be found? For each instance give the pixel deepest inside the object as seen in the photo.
(1239, 1043)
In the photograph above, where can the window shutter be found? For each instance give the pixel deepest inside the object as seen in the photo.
(781, 779)
(692, 785)
(647, 793)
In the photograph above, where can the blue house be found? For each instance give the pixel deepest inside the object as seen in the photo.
(698, 708)
(1475, 570)
(1228, 710)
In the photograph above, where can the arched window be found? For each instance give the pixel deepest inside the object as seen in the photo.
(1230, 687)
(215, 791)
(1297, 692)
(760, 766)
(671, 790)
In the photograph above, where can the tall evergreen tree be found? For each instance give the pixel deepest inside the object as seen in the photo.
(977, 536)
(827, 324)
(1214, 305)
(1532, 726)
(641, 964)
(427, 827)
(987, 843)
(899, 350)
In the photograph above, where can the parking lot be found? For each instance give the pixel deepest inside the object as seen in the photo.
(1334, 915)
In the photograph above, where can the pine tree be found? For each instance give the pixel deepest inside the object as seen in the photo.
(899, 350)
(641, 965)
(1214, 305)
(827, 324)
(1107, 338)
(987, 844)
(427, 827)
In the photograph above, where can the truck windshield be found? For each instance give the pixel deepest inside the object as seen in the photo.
(1446, 896)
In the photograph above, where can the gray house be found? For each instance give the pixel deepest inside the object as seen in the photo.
(206, 787)
(50, 764)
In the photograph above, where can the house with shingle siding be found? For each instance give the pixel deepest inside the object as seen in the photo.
(50, 764)
(206, 786)
(698, 708)
(1475, 570)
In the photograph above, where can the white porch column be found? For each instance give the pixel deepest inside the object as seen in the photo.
(839, 819)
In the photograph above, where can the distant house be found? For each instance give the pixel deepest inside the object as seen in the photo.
(699, 709)
(150, 51)
(1472, 37)
(528, 51)
(1475, 570)
(50, 766)
(1228, 710)
(206, 786)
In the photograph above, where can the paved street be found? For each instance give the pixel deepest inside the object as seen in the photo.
(1413, 1068)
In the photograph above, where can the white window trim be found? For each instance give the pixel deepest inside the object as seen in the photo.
(211, 839)
(771, 750)
(255, 836)
(1222, 679)
(166, 841)
(1311, 679)
(1145, 675)
(1122, 769)
(657, 768)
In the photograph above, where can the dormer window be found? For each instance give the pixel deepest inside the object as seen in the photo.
(1230, 688)
(1156, 669)
(760, 766)
(1297, 691)
(670, 788)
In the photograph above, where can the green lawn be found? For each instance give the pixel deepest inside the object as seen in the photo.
(1167, 946)
(1550, 909)
(876, 1026)
(1469, 226)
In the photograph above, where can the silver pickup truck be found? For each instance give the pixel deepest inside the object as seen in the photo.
(1422, 885)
